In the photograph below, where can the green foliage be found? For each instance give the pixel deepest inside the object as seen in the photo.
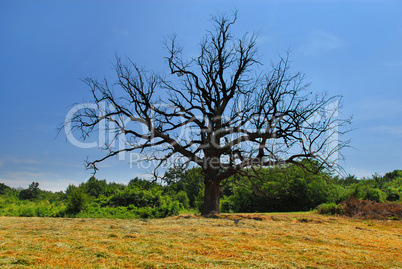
(142, 184)
(331, 209)
(190, 181)
(4, 188)
(136, 197)
(394, 175)
(182, 197)
(167, 208)
(12, 206)
(31, 193)
(94, 187)
(226, 204)
(376, 195)
(199, 200)
(393, 194)
(378, 188)
(77, 201)
(279, 190)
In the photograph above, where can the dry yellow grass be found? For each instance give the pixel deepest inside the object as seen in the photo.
(301, 240)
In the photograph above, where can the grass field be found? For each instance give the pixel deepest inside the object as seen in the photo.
(298, 240)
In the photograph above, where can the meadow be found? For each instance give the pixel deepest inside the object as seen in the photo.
(276, 240)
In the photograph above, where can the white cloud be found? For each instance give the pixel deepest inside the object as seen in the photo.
(320, 42)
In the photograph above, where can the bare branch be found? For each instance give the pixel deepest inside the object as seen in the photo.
(213, 111)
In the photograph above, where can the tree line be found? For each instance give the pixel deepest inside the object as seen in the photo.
(182, 191)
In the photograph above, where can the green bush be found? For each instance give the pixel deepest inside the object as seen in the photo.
(376, 195)
(77, 201)
(182, 197)
(393, 195)
(31, 193)
(107, 212)
(136, 197)
(4, 188)
(26, 211)
(281, 190)
(226, 204)
(34, 209)
(166, 208)
(199, 200)
(330, 209)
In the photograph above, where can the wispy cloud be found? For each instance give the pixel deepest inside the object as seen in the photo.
(23, 161)
(23, 175)
(6, 161)
(21, 178)
(320, 42)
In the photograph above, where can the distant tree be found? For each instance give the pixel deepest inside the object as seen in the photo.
(70, 189)
(95, 187)
(141, 184)
(113, 187)
(31, 193)
(77, 200)
(190, 181)
(4, 188)
(290, 189)
(393, 175)
(393, 195)
(348, 180)
(215, 111)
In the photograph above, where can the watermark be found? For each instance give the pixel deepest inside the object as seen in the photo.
(111, 135)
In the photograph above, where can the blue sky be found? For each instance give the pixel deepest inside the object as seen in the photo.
(352, 48)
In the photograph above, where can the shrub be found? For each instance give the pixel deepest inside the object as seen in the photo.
(182, 197)
(226, 205)
(77, 201)
(199, 201)
(138, 198)
(4, 188)
(331, 209)
(393, 195)
(376, 195)
(166, 208)
(31, 193)
(26, 211)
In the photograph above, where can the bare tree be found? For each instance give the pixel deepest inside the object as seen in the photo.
(213, 111)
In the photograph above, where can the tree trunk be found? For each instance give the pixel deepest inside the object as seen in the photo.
(211, 198)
